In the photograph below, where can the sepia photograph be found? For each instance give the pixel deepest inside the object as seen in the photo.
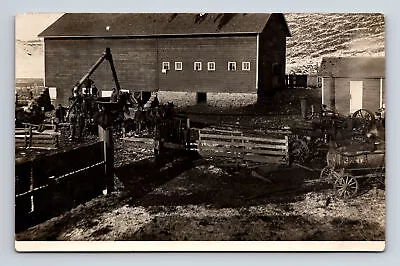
(200, 131)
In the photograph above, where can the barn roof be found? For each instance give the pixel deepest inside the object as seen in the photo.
(156, 24)
(358, 67)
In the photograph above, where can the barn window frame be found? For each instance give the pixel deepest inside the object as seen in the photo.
(232, 66)
(246, 66)
(211, 66)
(195, 64)
(178, 66)
(165, 65)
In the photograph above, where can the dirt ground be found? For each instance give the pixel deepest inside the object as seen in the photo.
(191, 198)
(186, 197)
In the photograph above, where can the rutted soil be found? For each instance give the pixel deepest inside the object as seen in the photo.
(197, 199)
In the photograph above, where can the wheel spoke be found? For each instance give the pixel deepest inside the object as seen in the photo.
(351, 182)
(341, 190)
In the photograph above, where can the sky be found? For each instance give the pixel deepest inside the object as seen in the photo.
(29, 25)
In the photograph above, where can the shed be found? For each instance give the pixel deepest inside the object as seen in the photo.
(220, 58)
(353, 83)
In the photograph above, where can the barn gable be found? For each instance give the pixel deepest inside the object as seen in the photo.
(156, 24)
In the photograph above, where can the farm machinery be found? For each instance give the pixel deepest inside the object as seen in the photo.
(87, 109)
(348, 165)
(126, 112)
(310, 137)
(353, 146)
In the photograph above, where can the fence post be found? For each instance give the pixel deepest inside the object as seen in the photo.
(25, 136)
(30, 136)
(287, 149)
(105, 134)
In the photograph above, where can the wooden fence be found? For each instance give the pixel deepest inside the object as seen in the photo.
(49, 185)
(273, 148)
(30, 137)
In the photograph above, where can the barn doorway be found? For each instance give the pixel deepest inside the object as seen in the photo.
(356, 95)
(201, 97)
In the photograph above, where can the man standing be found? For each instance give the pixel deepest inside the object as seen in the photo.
(114, 95)
(76, 116)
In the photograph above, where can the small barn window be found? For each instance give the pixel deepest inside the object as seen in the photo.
(53, 93)
(231, 66)
(178, 65)
(211, 66)
(197, 66)
(201, 97)
(165, 65)
(246, 66)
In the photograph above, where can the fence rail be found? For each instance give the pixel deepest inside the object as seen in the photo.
(49, 185)
(237, 144)
(30, 137)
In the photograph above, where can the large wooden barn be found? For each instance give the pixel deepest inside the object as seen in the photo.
(353, 83)
(221, 59)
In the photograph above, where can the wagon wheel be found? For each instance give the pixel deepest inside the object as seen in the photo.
(346, 186)
(365, 116)
(327, 173)
(299, 151)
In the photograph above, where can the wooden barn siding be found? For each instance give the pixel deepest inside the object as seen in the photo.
(370, 94)
(220, 50)
(272, 49)
(327, 94)
(67, 60)
(384, 91)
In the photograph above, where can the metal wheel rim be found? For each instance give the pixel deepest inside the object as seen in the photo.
(364, 115)
(326, 173)
(346, 186)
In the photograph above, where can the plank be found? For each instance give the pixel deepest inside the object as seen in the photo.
(219, 131)
(43, 141)
(270, 140)
(44, 136)
(266, 146)
(267, 152)
(213, 143)
(65, 162)
(43, 147)
(219, 154)
(221, 149)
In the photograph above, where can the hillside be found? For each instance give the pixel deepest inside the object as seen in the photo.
(314, 35)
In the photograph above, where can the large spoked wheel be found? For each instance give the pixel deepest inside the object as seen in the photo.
(346, 186)
(299, 151)
(366, 117)
(327, 173)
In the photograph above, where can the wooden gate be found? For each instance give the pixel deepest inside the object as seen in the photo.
(237, 144)
(49, 185)
(29, 137)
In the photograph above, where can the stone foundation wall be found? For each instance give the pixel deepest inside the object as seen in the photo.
(231, 99)
(179, 99)
(228, 100)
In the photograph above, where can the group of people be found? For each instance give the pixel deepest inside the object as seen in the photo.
(144, 117)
